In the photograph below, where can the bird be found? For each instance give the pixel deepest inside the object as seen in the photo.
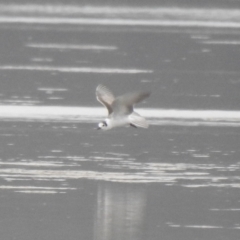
(120, 109)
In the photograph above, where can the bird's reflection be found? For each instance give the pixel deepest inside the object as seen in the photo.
(119, 211)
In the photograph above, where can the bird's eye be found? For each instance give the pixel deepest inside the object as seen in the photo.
(102, 124)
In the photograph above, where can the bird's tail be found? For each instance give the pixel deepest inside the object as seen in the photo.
(138, 121)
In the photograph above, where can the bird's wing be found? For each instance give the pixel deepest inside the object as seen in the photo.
(105, 97)
(137, 120)
(132, 98)
(124, 104)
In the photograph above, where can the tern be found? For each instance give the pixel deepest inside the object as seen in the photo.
(120, 109)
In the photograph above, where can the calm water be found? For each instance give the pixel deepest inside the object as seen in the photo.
(62, 179)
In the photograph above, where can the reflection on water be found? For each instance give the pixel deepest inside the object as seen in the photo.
(171, 165)
(155, 187)
(119, 212)
(123, 170)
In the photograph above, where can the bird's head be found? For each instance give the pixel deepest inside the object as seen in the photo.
(104, 125)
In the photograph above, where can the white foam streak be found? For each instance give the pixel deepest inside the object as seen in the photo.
(38, 192)
(118, 16)
(221, 42)
(70, 46)
(119, 22)
(191, 114)
(64, 9)
(75, 69)
(219, 185)
(36, 164)
(225, 209)
(51, 90)
(90, 114)
(42, 59)
(35, 187)
(202, 226)
(49, 112)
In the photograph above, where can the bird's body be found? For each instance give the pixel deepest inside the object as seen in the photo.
(116, 121)
(120, 109)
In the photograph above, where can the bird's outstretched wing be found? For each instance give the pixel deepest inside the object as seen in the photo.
(137, 120)
(105, 97)
(124, 104)
(132, 98)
